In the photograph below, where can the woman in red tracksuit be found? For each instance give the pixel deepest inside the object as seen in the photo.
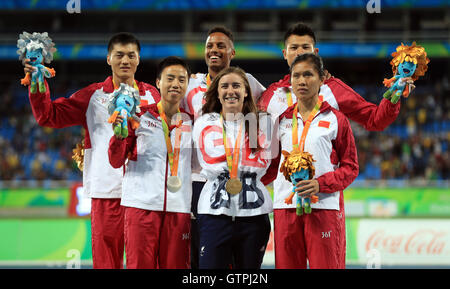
(319, 237)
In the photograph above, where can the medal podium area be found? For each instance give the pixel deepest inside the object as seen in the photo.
(397, 210)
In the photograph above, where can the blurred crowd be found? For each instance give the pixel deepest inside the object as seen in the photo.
(415, 146)
(31, 152)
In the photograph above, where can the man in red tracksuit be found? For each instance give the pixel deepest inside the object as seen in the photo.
(88, 108)
(157, 215)
(300, 39)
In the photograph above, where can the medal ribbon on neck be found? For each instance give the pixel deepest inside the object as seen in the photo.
(208, 80)
(289, 97)
(295, 143)
(174, 154)
(232, 159)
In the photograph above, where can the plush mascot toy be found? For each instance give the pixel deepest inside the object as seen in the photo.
(298, 166)
(408, 61)
(125, 101)
(38, 48)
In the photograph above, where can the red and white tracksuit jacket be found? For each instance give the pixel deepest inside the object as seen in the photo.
(330, 141)
(88, 108)
(318, 237)
(194, 100)
(254, 199)
(145, 180)
(101, 182)
(339, 96)
(157, 221)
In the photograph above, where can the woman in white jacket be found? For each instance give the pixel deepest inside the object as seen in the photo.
(234, 204)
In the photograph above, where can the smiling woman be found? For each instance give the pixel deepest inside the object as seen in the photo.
(232, 93)
(233, 204)
(228, 93)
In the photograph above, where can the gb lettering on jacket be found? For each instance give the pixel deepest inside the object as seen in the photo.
(253, 199)
(213, 151)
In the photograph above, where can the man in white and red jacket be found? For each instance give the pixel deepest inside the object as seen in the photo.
(88, 108)
(278, 97)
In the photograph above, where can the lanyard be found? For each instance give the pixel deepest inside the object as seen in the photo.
(174, 155)
(289, 97)
(208, 81)
(295, 143)
(232, 159)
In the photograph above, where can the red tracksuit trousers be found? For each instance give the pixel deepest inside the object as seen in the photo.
(156, 239)
(107, 229)
(318, 237)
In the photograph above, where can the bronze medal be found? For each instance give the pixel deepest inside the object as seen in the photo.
(233, 186)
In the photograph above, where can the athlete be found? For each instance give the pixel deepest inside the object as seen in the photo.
(157, 183)
(312, 125)
(234, 204)
(300, 39)
(219, 51)
(88, 108)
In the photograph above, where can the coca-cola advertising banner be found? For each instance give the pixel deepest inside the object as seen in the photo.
(378, 242)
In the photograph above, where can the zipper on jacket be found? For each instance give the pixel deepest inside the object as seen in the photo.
(165, 185)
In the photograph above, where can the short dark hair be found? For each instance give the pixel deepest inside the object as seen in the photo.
(172, 60)
(300, 29)
(222, 29)
(311, 57)
(123, 38)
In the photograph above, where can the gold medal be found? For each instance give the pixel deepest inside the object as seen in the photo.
(233, 186)
(173, 183)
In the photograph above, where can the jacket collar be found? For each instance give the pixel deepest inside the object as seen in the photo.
(108, 86)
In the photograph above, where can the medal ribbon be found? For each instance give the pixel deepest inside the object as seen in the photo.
(313, 113)
(208, 81)
(289, 97)
(232, 159)
(174, 155)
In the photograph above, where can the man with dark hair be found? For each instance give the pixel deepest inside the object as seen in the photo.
(170, 61)
(121, 38)
(223, 30)
(300, 39)
(219, 51)
(300, 29)
(88, 108)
